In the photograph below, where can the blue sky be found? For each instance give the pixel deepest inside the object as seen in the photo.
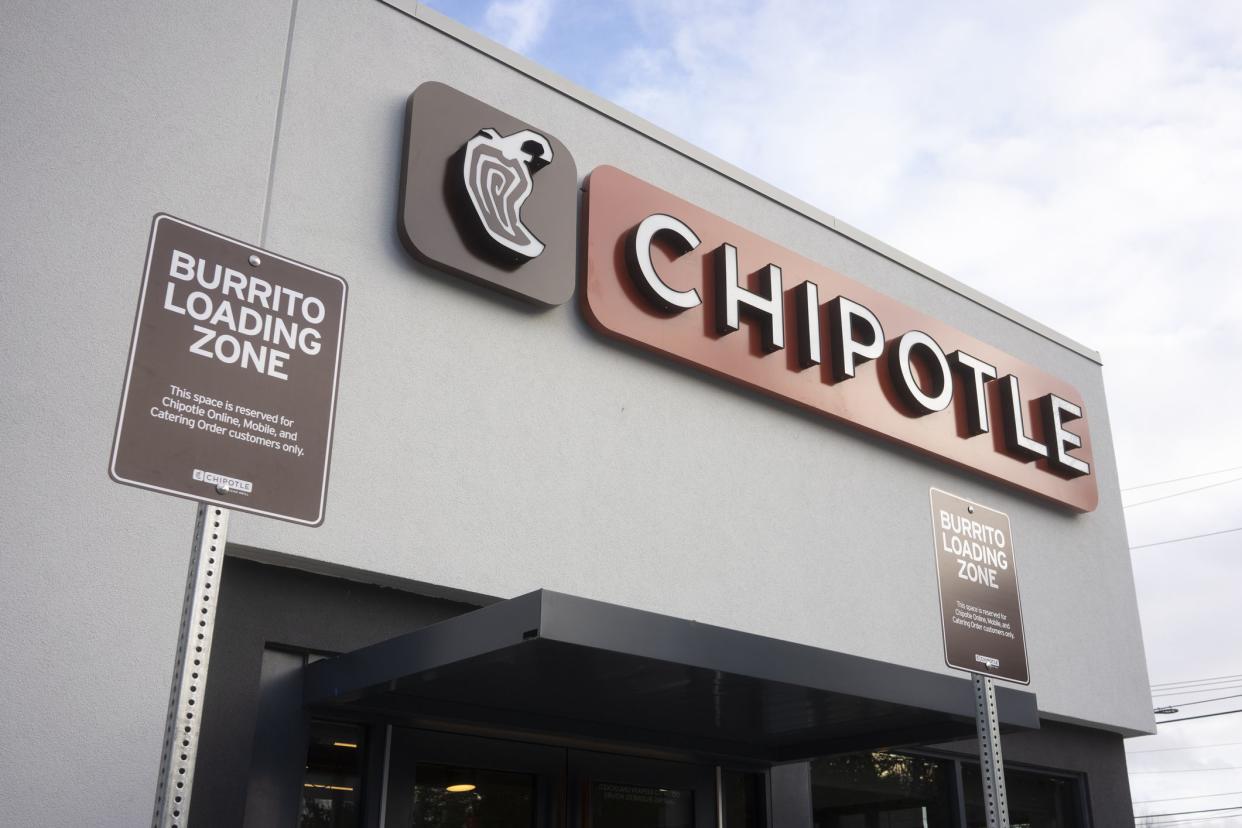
(1079, 161)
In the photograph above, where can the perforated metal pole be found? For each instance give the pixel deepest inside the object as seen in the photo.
(990, 760)
(185, 702)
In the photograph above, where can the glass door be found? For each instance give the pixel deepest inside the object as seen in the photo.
(608, 791)
(438, 780)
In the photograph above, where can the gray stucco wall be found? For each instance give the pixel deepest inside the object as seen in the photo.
(480, 446)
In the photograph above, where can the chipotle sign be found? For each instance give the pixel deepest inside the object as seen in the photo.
(672, 277)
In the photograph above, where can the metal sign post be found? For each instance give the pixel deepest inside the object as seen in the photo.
(229, 400)
(185, 701)
(990, 760)
(980, 621)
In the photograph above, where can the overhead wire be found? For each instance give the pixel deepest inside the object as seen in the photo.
(1189, 819)
(1201, 716)
(1192, 770)
(1178, 798)
(1204, 701)
(1179, 494)
(1188, 537)
(1180, 479)
(1186, 693)
(1187, 747)
(1166, 684)
(1184, 813)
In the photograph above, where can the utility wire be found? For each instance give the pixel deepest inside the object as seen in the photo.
(1189, 683)
(1179, 494)
(1188, 537)
(1164, 684)
(1194, 770)
(1188, 747)
(1204, 701)
(1184, 813)
(1190, 691)
(1177, 798)
(1201, 716)
(1189, 819)
(1180, 479)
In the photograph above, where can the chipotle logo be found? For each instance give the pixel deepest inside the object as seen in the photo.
(667, 275)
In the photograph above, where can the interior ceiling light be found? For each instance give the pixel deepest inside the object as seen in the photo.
(464, 787)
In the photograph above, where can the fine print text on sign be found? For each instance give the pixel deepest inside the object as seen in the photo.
(980, 609)
(230, 392)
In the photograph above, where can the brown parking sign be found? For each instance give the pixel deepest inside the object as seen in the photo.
(980, 609)
(230, 393)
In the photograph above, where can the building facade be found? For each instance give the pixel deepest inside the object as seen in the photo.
(570, 571)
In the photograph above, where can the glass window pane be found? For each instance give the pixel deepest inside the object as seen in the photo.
(452, 797)
(881, 790)
(1036, 800)
(615, 805)
(332, 788)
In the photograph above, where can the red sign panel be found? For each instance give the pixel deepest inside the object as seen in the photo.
(672, 277)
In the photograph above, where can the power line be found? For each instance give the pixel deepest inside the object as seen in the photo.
(1188, 820)
(1179, 494)
(1188, 747)
(1166, 684)
(1203, 701)
(1202, 716)
(1188, 537)
(1205, 687)
(1192, 770)
(1199, 691)
(1180, 479)
(1184, 813)
(1177, 798)
(1191, 692)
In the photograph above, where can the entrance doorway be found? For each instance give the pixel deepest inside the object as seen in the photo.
(438, 780)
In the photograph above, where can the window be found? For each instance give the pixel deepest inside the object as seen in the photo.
(1036, 800)
(895, 790)
(332, 788)
(882, 790)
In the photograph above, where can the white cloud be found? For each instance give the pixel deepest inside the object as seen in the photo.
(518, 24)
(1081, 162)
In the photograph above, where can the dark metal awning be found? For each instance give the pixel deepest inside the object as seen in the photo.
(579, 668)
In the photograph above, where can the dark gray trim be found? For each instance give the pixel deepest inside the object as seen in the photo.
(274, 789)
(791, 795)
(562, 663)
(264, 607)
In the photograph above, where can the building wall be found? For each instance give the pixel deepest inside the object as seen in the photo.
(481, 446)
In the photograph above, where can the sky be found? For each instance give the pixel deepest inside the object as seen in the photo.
(1080, 162)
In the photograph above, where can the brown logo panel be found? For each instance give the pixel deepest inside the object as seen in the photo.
(230, 393)
(980, 607)
(488, 197)
(672, 277)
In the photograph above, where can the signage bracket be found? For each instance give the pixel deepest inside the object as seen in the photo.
(185, 702)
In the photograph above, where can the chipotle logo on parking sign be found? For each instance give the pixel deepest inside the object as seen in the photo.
(230, 392)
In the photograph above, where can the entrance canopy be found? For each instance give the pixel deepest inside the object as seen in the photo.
(573, 667)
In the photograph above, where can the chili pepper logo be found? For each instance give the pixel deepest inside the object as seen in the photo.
(497, 173)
